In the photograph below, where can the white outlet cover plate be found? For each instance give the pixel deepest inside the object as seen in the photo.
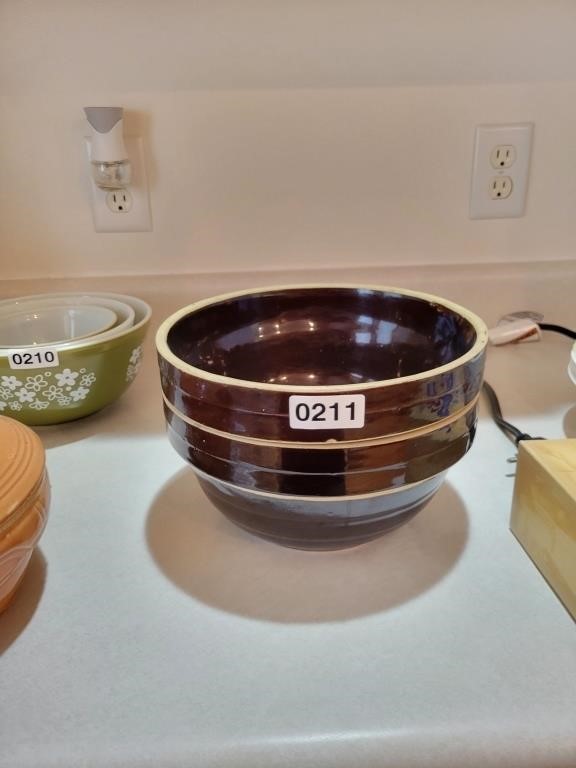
(138, 218)
(519, 136)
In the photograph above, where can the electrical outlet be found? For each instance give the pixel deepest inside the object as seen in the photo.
(503, 156)
(500, 187)
(500, 171)
(119, 200)
(124, 210)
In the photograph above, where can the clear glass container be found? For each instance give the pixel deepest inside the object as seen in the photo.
(116, 175)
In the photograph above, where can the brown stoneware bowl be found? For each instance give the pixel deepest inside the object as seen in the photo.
(322, 470)
(318, 485)
(317, 363)
(306, 522)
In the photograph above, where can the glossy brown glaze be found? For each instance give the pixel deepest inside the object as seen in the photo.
(324, 336)
(325, 524)
(319, 484)
(354, 457)
(263, 414)
(331, 337)
(319, 473)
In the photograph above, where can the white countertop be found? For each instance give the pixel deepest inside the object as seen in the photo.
(152, 633)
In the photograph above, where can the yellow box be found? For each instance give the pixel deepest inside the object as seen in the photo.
(544, 512)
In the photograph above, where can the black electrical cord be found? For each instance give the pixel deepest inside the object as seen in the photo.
(512, 432)
(557, 329)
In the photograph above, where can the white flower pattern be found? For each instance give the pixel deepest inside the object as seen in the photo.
(25, 396)
(134, 364)
(46, 389)
(53, 392)
(79, 394)
(67, 378)
(136, 355)
(35, 383)
(11, 382)
(39, 405)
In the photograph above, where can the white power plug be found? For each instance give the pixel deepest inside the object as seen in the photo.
(128, 209)
(514, 331)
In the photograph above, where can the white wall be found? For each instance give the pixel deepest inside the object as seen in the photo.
(284, 132)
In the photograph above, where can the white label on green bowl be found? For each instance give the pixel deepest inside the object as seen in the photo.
(326, 412)
(23, 359)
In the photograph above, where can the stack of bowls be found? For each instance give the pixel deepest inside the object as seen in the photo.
(321, 416)
(66, 355)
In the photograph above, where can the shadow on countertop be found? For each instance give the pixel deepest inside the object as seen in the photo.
(17, 616)
(215, 562)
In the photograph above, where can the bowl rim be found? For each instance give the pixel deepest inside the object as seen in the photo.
(64, 299)
(166, 353)
(111, 321)
(111, 335)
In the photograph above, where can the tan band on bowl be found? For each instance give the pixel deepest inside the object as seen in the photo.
(329, 444)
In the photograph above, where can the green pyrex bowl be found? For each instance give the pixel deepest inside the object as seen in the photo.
(90, 375)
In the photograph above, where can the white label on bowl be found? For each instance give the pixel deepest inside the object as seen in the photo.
(326, 412)
(22, 359)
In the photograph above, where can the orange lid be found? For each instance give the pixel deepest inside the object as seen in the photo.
(21, 466)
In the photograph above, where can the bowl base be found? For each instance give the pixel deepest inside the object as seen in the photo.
(316, 532)
(340, 537)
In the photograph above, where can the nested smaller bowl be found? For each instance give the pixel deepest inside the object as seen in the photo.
(314, 363)
(125, 313)
(54, 325)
